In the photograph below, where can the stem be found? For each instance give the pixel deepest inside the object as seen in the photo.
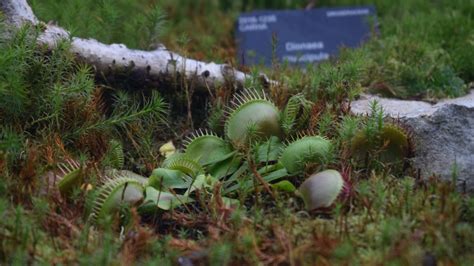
(259, 177)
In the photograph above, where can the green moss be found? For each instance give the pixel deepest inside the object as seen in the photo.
(52, 109)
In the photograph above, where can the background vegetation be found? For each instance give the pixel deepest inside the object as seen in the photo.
(53, 111)
(424, 49)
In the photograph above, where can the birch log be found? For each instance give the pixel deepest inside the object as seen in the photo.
(150, 66)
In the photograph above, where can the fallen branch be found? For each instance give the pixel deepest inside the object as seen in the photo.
(149, 66)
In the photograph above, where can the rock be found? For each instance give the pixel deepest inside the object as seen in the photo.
(443, 134)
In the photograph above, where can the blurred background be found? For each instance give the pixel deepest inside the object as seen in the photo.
(422, 44)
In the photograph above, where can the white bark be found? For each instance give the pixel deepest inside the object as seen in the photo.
(156, 65)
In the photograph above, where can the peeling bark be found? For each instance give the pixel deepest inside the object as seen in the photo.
(150, 66)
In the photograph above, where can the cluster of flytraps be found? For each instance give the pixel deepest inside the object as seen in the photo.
(254, 130)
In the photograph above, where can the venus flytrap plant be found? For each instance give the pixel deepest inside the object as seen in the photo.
(250, 108)
(113, 193)
(71, 176)
(320, 190)
(389, 145)
(296, 113)
(388, 221)
(212, 152)
(206, 147)
(163, 190)
(209, 151)
(379, 141)
(253, 155)
(305, 150)
(183, 164)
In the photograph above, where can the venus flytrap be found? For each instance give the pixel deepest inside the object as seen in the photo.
(45, 104)
(303, 151)
(252, 108)
(257, 151)
(212, 152)
(379, 141)
(320, 190)
(205, 152)
(113, 193)
(296, 113)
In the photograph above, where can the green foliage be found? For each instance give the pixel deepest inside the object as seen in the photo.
(221, 254)
(12, 143)
(333, 81)
(26, 78)
(423, 50)
(138, 24)
(207, 204)
(347, 128)
(37, 89)
(114, 157)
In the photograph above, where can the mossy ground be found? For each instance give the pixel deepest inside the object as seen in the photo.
(52, 110)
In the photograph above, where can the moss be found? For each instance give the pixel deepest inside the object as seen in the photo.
(51, 109)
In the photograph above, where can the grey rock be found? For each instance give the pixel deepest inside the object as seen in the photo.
(443, 134)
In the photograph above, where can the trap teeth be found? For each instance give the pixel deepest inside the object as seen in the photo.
(251, 110)
(305, 150)
(205, 147)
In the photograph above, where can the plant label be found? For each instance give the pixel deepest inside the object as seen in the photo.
(301, 37)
